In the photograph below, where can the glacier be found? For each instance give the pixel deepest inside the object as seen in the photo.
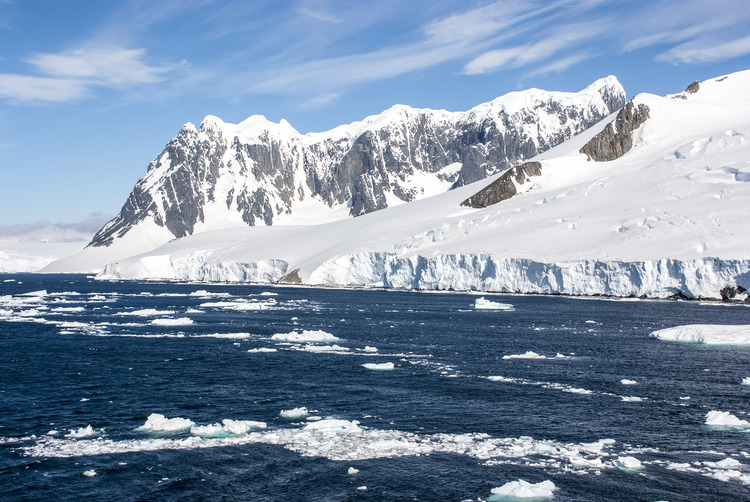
(662, 220)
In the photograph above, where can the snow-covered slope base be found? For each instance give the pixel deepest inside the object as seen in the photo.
(666, 218)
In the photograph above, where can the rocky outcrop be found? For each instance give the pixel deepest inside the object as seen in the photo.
(256, 171)
(617, 137)
(693, 88)
(505, 186)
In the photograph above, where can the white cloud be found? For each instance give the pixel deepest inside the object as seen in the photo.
(30, 88)
(104, 66)
(72, 75)
(704, 51)
(541, 50)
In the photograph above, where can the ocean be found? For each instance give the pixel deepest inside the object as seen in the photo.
(175, 391)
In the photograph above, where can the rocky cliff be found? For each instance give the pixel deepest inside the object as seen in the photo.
(259, 172)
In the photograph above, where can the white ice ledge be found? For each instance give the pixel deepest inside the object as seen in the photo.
(663, 278)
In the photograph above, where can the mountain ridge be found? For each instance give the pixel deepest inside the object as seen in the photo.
(259, 172)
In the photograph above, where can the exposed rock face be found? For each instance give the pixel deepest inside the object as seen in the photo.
(256, 171)
(505, 186)
(614, 142)
(693, 88)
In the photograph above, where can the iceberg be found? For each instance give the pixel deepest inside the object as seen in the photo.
(709, 334)
(180, 321)
(724, 419)
(627, 463)
(159, 423)
(524, 490)
(294, 413)
(379, 366)
(482, 303)
(304, 336)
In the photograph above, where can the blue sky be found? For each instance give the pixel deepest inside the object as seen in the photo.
(91, 91)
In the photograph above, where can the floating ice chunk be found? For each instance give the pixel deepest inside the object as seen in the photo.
(631, 399)
(148, 312)
(179, 321)
(584, 462)
(261, 350)
(231, 336)
(379, 366)
(375, 349)
(526, 355)
(83, 432)
(524, 490)
(325, 348)
(268, 293)
(38, 294)
(90, 473)
(724, 419)
(159, 423)
(746, 381)
(576, 390)
(482, 303)
(240, 305)
(626, 381)
(627, 463)
(352, 471)
(68, 309)
(728, 464)
(304, 336)
(710, 334)
(294, 413)
(227, 428)
(209, 431)
(333, 425)
(241, 427)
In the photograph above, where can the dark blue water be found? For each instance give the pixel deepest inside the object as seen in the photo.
(433, 428)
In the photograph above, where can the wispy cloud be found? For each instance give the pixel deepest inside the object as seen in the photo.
(74, 74)
(704, 51)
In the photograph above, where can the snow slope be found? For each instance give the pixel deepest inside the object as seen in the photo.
(23, 256)
(666, 218)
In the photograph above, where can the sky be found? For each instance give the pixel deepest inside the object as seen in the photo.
(92, 90)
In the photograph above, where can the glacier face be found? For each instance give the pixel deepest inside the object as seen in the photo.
(661, 278)
(258, 172)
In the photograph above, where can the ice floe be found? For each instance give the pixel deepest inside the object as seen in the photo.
(261, 350)
(148, 312)
(716, 418)
(294, 413)
(83, 432)
(626, 381)
(529, 354)
(179, 321)
(482, 303)
(227, 428)
(379, 366)
(241, 305)
(309, 336)
(524, 490)
(90, 473)
(746, 381)
(333, 425)
(628, 463)
(157, 422)
(710, 334)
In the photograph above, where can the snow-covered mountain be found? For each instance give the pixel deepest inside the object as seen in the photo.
(258, 172)
(667, 217)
